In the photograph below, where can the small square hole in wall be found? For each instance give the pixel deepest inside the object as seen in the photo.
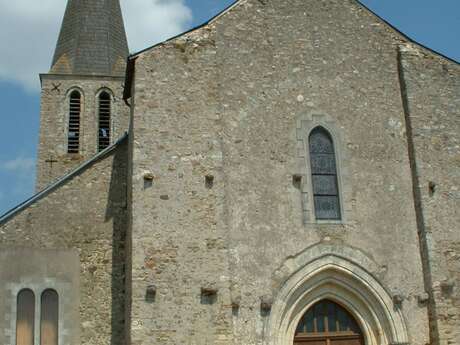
(447, 288)
(148, 180)
(150, 293)
(431, 188)
(266, 303)
(265, 310)
(209, 181)
(235, 309)
(297, 181)
(208, 296)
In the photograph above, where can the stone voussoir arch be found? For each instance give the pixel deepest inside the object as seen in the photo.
(343, 275)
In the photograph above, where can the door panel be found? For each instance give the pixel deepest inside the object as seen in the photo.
(311, 342)
(328, 341)
(345, 342)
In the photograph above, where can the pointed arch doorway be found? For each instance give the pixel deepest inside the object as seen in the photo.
(328, 323)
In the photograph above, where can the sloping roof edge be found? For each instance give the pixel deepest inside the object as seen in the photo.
(210, 21)
(406, 37)
(40, 195)
(132, 57)
(237, 2)
(130, 66)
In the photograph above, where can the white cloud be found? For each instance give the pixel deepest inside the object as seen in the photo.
(151, 21)
(19, 165)
(29, 31)
(17, 177)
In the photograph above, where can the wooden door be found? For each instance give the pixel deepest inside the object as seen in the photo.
(327, 323)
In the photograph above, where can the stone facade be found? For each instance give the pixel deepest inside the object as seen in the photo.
(249, 84)
(200, 227)
(40, 269)
(53, 159)
(433, 109)
(90, 57)
(84, 216)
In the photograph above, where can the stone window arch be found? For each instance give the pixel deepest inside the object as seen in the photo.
(73, 132)
(25, 317)
(306, 125)
(324, 179)
(324, 273)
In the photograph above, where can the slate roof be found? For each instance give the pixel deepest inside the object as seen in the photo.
(92, 40)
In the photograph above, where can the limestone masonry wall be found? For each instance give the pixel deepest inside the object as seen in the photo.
(196, 229)
(53, 159)
(38, 270)
(86, 214)
(232, 100)
(433, 96)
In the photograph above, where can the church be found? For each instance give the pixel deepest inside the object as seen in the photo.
(288, 173)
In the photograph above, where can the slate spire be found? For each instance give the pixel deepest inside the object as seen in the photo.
(92, 40)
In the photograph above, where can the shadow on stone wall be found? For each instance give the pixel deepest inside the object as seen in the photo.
(117, 212)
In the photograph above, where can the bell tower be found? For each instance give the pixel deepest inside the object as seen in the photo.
(82, 111)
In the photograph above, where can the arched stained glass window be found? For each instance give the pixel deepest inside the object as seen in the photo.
(25, 317)
(324, 175)
(104, 120)
(73, 134)
(49, 318)
(328, 323)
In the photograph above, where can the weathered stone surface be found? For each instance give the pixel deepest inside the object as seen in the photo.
(225, 100)
(53, 159)
(204, 224)
(88, 215)
(433, 109)
(39, 270)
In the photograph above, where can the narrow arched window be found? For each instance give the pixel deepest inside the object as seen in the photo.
(73, 136)
(49, 318)
(324, 175)
(25, 317)
(104, 120)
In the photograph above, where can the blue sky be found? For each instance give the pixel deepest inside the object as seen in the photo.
(28, 38)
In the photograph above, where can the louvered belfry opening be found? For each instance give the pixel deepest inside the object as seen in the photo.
(73, 144)
(324, 175)
(328, 323)
(104, 120)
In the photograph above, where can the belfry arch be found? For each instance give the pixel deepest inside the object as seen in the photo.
(334, 277)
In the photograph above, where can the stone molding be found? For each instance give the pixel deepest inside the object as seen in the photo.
(329, 272)
(38, 286)
(305, 124)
